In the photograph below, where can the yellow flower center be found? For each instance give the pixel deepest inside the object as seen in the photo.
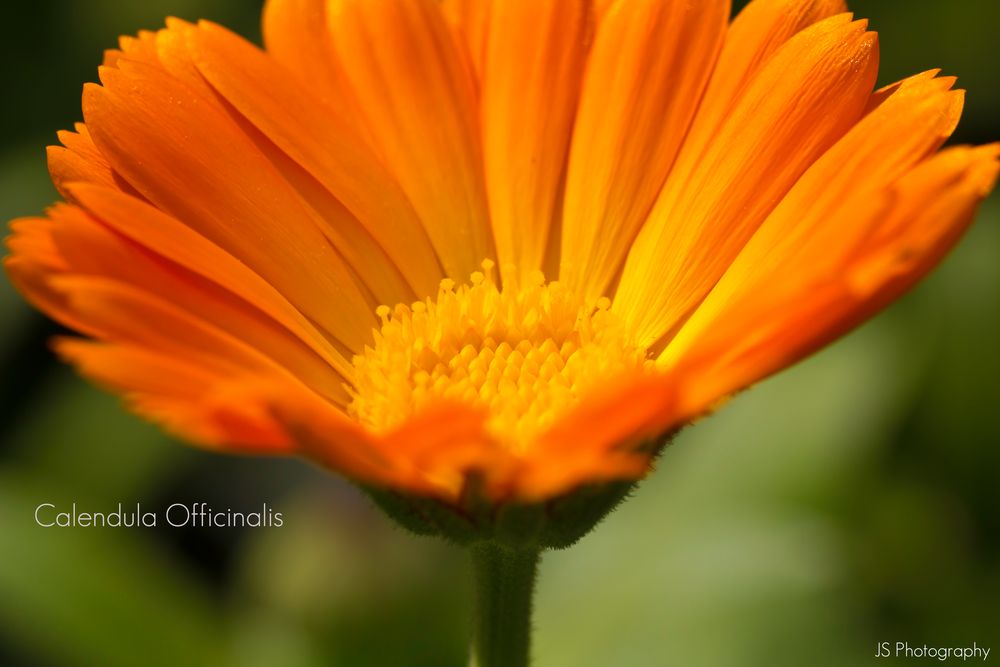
(527, 353)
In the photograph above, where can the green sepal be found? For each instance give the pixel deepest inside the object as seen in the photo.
(552, 524)
(574, 515)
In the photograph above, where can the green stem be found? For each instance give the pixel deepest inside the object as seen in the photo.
(505, 581)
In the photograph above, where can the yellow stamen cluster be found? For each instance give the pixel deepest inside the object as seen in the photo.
(526, 352)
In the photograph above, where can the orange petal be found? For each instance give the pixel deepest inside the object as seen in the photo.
(90, 249)
(443, 447)
(318, 139)
(805, 98)
(163, 356)
(187, 399)
(529, 90)
(327, 436)
(31, 239)
(172, 240)
(647, 71)
(79, 161)
(296, 36)
(431, 454)
(121, 313)
(912, 224)
(417, 95)
(141, 48)
(34, 259)
(228, 381)
(194, 164)
(470, 20)
(755, 35)
(911, 121)
(923, 227)
(32, 280)
(601, 439)
(176, 49)
(174, 53)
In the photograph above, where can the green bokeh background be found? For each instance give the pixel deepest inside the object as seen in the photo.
(850, 500)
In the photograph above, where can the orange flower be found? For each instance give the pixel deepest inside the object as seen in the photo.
(430, 244)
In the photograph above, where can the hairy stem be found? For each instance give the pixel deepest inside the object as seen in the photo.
(505, 582)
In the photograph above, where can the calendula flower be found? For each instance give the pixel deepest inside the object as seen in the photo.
(485, 257)
(497, 247)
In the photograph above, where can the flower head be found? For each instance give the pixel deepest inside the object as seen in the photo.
(490, 247)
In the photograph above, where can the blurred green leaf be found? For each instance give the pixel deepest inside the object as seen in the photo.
(83, 437)
(368, 592)
(97, 596)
